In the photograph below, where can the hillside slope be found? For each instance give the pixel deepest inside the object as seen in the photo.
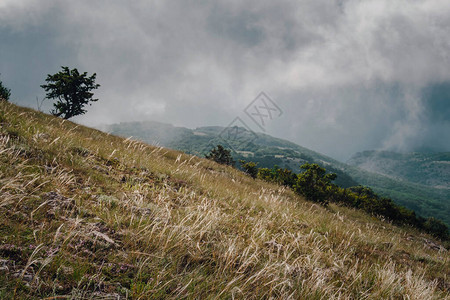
(86, 215)
(268, 151)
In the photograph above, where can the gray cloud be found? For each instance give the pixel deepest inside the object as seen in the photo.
(349, 75)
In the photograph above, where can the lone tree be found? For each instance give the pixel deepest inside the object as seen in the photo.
(221, 155)
(73, 91)
(4, 92)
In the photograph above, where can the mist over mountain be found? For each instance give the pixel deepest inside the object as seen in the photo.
(432, 169)
(348, 75)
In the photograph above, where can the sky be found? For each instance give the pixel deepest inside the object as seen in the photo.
(346, 75)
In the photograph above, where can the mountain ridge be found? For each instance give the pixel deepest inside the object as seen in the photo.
(431, 168)
(269, 151)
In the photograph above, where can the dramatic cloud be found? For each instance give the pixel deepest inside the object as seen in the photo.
(348, 75)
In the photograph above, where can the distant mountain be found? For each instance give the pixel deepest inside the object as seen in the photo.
(264, 149)
(269, 151)
(431, 169)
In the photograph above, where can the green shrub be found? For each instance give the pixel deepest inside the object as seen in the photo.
(277, 175)
(5, 93)
(250, 168)
(221, 155)
(314, 183)
(436, 228)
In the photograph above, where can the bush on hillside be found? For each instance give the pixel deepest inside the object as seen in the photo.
(5, 93)
(277, 175)
(437, 228)
(249, 167)
(221, 155)
(314, 183)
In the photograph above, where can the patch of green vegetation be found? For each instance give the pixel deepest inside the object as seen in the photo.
(315, 184)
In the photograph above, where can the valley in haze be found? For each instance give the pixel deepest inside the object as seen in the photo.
(431, 169)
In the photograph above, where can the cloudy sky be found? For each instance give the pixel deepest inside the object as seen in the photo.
(348, 75)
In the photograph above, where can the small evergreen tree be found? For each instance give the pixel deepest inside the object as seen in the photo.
(249, 167)
(73, 91)
(437, 228)
(5, 93)
(277, 175)
(314, 183)
(221, 155)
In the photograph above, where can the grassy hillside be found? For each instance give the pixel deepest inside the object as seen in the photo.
(426, 200)
(86, 215)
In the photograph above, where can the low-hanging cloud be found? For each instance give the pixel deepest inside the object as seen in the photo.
(349, 75)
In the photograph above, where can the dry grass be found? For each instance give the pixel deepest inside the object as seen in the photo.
(86, 215)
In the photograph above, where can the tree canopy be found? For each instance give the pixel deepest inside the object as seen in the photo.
(221, 155)
(314, 182)
(72, 91)
(249, 167)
